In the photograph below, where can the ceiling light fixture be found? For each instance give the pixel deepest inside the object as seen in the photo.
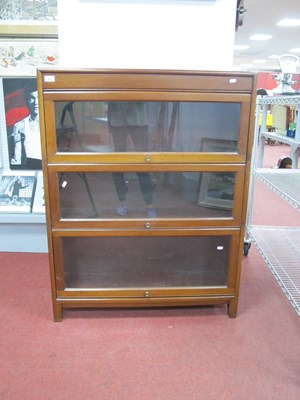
(260, 37)
(292, 22)
(295, 50)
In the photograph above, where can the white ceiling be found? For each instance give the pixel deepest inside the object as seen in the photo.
(261, 16)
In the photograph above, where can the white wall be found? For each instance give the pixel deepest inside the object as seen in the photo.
(192, 34)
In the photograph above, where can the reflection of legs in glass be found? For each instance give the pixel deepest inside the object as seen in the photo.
(146, 185)
(120, 184)
(139, 138)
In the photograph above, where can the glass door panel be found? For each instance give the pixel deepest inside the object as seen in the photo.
(109, 195)
(145, 262)
(147, 126)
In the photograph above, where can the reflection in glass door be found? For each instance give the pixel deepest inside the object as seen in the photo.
(134, 194)
(128, 126)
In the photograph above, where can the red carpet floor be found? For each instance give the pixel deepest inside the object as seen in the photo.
(178, 354)
(159, 354)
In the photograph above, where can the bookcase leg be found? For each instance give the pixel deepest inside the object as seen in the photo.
(57, 312)
(232, 308)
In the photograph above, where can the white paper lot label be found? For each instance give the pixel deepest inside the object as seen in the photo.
(49, 78)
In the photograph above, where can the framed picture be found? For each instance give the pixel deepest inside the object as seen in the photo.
(30, 19)
(22, 123)
(16, 192)
(216, 189)
(211, 145)
(29, 30)
(22, 57)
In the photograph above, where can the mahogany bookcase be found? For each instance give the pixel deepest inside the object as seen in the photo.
(146, 176)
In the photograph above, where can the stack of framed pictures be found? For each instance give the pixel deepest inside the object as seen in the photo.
(29, 40)
(21, 53)
(20, 146)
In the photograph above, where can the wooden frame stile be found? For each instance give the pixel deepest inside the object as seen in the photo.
(233, 275)
(250, 121)
(57, 270)
(57, 310)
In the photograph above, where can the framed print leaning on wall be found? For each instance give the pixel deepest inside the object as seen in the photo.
(216, 189)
